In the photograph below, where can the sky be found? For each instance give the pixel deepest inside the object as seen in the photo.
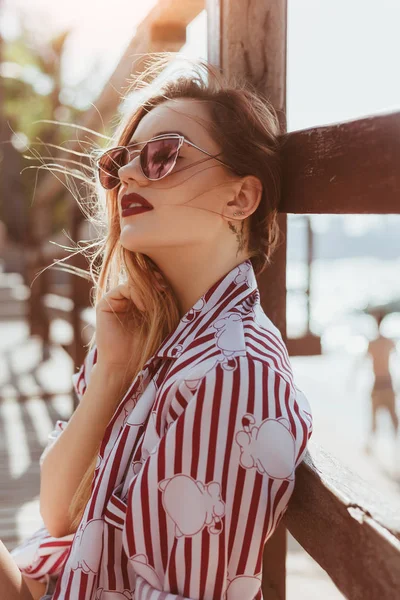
(342, 55)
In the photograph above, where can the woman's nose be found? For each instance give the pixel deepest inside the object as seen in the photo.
(131, 170)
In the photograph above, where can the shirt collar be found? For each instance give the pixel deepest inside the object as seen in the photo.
(231, 289)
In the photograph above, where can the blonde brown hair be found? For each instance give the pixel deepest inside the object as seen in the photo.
(247, 129)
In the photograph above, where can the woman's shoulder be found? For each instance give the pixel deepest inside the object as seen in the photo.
(229, 342)
(222, 372)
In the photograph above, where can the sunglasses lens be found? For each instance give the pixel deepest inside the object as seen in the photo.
(108, 166)
(158, 157)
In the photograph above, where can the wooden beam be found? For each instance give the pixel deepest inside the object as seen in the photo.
(248, 39)
(167, 33)
(346, 526)
(350, 167)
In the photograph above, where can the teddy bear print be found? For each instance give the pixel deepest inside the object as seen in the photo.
(242, 586)
(205, 507)
(176, 351)
(243, 273)
(129, 406)
(102, 594)
(143, 569)
(191, 314)
(270, 447)
(88, 543)
(230, 340)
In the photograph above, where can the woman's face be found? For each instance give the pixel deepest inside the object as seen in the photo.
(188, 204)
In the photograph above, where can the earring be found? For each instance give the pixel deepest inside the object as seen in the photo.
(239, 213)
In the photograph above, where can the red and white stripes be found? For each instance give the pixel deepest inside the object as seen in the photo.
(197, 464)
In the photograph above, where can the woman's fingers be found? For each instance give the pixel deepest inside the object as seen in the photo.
(120, 298)
(132, 293)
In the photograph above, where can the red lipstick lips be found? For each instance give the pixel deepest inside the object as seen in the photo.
(132, 204)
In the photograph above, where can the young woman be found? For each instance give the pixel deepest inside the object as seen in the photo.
(179, 462)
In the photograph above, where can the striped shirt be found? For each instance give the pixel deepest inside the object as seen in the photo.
(197, 465)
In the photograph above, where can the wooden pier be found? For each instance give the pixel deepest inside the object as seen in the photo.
(33, 395)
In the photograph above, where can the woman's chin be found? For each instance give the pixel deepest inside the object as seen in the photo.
(139, 243)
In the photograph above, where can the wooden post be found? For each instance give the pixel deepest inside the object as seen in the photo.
(248, 38)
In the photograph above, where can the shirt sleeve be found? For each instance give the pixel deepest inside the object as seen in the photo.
(216, 485)
(41, 554)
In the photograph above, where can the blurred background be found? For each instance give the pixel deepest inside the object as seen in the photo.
(66, 65)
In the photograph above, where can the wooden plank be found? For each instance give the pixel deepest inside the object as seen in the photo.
(165, 33)
(346, 526)
(248, 39)
(174, 10)
(351, 167)
(306, 345)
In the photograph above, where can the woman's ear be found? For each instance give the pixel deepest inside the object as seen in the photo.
(248, 196)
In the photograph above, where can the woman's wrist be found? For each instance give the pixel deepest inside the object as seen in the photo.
(111, 376)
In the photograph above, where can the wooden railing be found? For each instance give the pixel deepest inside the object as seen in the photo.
(346, 526)
(345, 168)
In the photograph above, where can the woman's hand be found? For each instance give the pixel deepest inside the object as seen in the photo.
(115, 335)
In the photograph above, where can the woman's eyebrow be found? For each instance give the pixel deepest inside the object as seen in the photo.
(133, 141)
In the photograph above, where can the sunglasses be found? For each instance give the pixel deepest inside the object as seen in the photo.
(157, 159)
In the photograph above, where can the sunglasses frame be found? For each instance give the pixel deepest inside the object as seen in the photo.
(164, 136)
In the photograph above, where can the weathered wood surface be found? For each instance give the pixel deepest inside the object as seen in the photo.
(347, 527)
(306, 345)
(350, 167)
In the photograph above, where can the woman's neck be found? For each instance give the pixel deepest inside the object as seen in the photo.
(191, 277)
